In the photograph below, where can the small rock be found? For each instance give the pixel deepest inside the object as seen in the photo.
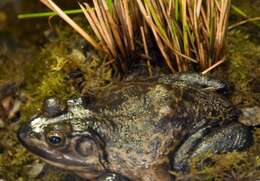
(250, 116)
(2, 124)
(3, 17)
(78, 56)
(1, 149)
(15, 109)
(255, 85)
(7, 89)
(35, 169)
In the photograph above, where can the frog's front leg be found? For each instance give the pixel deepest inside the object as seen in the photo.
(198, 81)
(234, 136)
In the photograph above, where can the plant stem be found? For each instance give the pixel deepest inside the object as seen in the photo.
(46, 14)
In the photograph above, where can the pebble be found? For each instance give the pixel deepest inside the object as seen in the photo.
(250, 116)
(35, 169)
(15, 109)
(255, 85)
(2, 125)
(3, 18)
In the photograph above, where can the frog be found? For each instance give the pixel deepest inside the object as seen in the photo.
(138, 129)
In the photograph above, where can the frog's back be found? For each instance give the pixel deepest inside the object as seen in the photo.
(152, 118)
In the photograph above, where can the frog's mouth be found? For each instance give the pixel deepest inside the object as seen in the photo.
(52, 156)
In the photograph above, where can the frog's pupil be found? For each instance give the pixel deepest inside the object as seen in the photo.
(55, 140)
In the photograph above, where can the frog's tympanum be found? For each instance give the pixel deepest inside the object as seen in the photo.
(138, 130)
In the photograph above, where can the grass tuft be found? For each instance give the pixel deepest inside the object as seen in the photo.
(188, 34)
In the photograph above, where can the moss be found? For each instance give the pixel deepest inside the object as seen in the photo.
(251, 9)
(14, 156)
(47, 75)
(44, 76)
(243, 56)
(97, 73)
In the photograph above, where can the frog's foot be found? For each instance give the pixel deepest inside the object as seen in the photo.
(198, 81)
(234, 136)
(111, 177)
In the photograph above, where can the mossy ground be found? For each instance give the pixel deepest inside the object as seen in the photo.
(46, 73)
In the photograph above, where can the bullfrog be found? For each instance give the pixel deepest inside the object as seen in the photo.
(137, 130)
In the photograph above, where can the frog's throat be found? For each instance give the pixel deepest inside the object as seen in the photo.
(84, 172)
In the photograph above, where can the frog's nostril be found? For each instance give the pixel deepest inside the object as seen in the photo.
(52, 107)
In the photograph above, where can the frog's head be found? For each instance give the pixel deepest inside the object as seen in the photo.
(64, 137)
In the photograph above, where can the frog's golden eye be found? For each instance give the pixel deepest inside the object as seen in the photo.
(55, 138)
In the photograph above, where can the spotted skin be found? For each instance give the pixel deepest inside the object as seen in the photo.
(137, 130)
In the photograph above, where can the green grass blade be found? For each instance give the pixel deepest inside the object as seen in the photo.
(46, 14)
(176, 10)
(156, 18)
(243, 14)
(238, 11)
(110, 5)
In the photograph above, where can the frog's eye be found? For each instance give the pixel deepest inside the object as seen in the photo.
(56, 138)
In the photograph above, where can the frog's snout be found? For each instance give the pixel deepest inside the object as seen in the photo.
(225, 88)
(23, 133)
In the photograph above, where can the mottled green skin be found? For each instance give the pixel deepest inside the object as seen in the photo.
(135, 128)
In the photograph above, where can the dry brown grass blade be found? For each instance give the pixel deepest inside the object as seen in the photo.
(96, 27)
(76, 27)
(158, 36)
(91, 21)
(124, 27)
(129, 24)
(164, 53)
(213, 66)
(222, 27)
(104, 28)
(187, 33)
(243, 22)
(161, 39)
(146, 50)
(115, 30)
